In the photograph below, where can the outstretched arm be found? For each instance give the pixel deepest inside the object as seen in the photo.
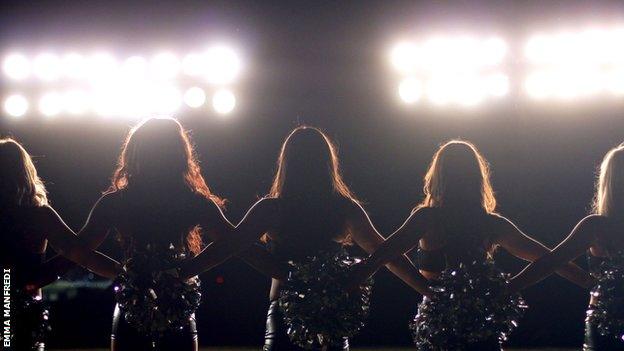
(255, 255)
(529, 249)
(390, 252)
(65, 242)
(256, 221)
(573, 246)
(92, 235)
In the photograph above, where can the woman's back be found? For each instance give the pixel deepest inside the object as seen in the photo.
(157, 220)
(306, 227)
(455, 237)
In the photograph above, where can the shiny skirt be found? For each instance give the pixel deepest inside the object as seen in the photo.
(596, 342)
(275, 338)
(125, 338)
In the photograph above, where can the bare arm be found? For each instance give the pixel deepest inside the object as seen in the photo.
(256, 221)
(255, 255)
(401, 241)
(92, 234)
(367, 237)
(579, 240)
(529, 249)
(64, 241)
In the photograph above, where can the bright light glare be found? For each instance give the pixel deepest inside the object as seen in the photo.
(404, 56)
(51, 104)
(76, 101)
(134, 67)
(166, 100)
(133, 86)
(16, 66)
(193, 64)
(497, 84)
(591, 45)
(222, 65)
(47, 67)
(16, 105)
(165, 65)
(446, 53)
(575, 63)
(74, 66)
(410, 90)
(223, 101)
(195, 97)
(102, 66)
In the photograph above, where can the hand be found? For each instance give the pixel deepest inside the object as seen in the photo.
(358, 275)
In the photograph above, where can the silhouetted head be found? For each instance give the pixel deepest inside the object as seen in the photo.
(309, 182)
(308, 165)
(609, 198)
(459, 177)
(158, 158)
(19, 183)
(158, 155)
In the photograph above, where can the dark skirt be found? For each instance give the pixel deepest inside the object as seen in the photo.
(125, 338)
(275, 338)
(596, 342)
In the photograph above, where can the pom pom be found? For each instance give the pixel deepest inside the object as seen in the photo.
(151, 300)
(608, 311)
(469, 306)
(317, 309)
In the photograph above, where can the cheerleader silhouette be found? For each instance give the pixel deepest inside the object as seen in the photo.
(455, 228)
(27, 225)
(158, 205)
(309, 211)
(600, 235)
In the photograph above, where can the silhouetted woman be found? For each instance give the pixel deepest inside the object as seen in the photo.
(455, 227)
(309, 210)
(158, 205)
(599, 234)
(27, 225)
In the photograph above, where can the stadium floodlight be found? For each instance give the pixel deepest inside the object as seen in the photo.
(222, 65)
(16, 105)
(165, 66)
(47, 67)
(194, 97)
(574, 64)
(462, 70)
(223, 101)
(410, 90)
(51, 104)
(16, 66)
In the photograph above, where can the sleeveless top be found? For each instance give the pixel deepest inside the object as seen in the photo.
(467, 248)
(301, 240)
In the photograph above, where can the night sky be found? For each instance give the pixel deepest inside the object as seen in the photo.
(325, 63)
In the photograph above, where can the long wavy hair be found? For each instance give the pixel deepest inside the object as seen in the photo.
(308, 172)
(609, 195)
(158, 155)
(19, 183)
(458, 176)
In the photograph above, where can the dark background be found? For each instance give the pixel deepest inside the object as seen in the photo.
(325, 63)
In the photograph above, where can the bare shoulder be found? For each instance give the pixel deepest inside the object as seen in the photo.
(593, 223)
(44, 213)
(266, 206)
(497, 222)
(424, 216)
(108, 201)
